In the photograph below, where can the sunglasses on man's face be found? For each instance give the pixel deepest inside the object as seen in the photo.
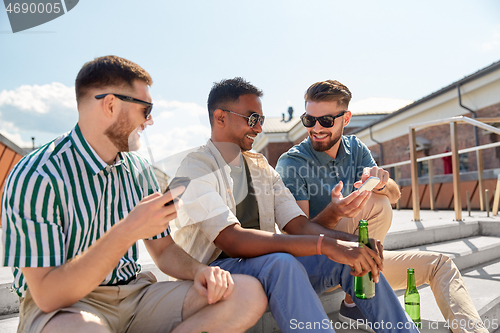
(147, 111)
(325, 121)
(253, 119)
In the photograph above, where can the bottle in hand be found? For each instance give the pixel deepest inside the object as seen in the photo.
(364, 286)
(412, 299)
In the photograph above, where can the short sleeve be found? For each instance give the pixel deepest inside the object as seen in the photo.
(31, 220)
(151, 186)
(286, 207)
(203, 204)
(289, 169)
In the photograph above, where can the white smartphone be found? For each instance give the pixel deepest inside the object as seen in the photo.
(369, 184)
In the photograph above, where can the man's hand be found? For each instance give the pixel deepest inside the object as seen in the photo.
(378, 247)
(360, 258)
(151, 217)
(349, 206)
(375, 171)
(213, 283)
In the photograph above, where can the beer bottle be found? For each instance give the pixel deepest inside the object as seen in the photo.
(364, 286)
(412, 299)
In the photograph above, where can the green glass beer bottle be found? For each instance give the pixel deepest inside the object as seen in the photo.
(412, 299)
(364, 286)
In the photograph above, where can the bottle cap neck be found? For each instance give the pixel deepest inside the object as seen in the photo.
(411, 278)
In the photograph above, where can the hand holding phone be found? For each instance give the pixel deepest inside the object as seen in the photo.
(369, 184)
(176, 182)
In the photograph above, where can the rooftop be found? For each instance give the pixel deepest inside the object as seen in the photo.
(277, 125)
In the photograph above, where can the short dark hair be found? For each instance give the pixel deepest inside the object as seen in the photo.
(227, 91)
(329, 90)
(109, 71)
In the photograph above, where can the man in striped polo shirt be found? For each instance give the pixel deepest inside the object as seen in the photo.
(72, 213)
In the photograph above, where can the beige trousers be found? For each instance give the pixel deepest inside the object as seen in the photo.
(143, 305)
(432, 268)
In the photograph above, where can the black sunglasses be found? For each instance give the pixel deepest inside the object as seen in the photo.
(325, 121)
(149, 106)
(253, 119)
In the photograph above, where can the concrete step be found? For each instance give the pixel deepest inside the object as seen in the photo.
(405, 234)
(8, 323)
(466, 252)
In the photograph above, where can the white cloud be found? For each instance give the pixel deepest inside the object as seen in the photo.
(192, 109)
(39, 99)
(178, 127)
(47, 111)
(43, 112)
(17, 139)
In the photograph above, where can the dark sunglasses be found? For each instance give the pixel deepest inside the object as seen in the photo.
(253, 119)
(325, 121)
(149, 106)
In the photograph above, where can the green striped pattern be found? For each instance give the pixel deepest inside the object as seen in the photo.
(61, 198)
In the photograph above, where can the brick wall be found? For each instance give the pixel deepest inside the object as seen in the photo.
(274, 150)
(439, 136)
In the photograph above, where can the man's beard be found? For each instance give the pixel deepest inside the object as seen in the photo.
(324, 145)
(119, 134)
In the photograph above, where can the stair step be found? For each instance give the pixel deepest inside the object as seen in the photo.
(9, 323)
(411, 234)
(467, 252)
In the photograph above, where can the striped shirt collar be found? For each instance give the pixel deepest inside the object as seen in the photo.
(91, 158)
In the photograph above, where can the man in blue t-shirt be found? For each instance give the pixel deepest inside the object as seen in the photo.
(322, 173)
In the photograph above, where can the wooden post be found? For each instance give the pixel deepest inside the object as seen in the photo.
(431, 184)
(414, 175)
(468, 201)
(457, 199)
(497, 197)
(396, 179)
(480, 168)
(487, 202)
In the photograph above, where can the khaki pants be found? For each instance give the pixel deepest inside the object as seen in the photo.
(432, 268)
(143, 305)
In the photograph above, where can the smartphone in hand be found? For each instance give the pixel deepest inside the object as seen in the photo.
(176, 182)
(369, 184)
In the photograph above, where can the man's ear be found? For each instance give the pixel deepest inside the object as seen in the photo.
(219, 118)
(109, 106)
(347, 118)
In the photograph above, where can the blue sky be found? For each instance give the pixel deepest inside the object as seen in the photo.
(392, 49)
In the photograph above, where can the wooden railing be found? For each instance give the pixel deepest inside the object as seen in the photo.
(454, 121)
